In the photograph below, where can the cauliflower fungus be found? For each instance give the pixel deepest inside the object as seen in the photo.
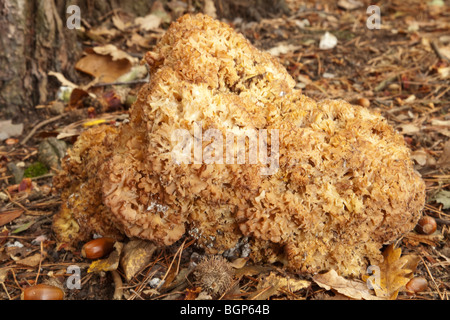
(339, 183)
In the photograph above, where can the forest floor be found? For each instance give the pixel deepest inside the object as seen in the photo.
(401, 69)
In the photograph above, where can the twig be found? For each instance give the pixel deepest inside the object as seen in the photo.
(40, 263)
(119, 83)
(118, 285)
(431, 276)
(179, 251)
(6, 290)
(40, 125)
(437, 51)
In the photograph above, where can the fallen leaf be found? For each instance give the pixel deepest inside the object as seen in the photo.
(3, 274)
(239, 263)
(408, 128)
(420, 157)
(138, 40)
(430, 239)
(25, 185)
(8, 216)
(443, 197)
(251, 270)
(192, 294)
(393, 273)
(108, 264)
(136, 255)
(158, 10)
(118, 23)
(210, 9)
(23, 227)
(76, 98)
(274, 284)
(103, 67)
(115, 53)
(149, 22)
(31, 261)
(350, 4)
(444, 159)
(102, 33)
(350, 288)
(283, 48)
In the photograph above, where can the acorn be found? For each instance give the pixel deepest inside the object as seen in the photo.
(97, 248)
(363, 102)
(426, 225)
(42, 292)
(416, 284)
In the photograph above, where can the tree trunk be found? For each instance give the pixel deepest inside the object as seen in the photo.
(36, 40)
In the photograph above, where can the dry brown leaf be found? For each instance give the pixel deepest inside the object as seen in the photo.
(118, 23)
(210, 9)
(192, 294)
(239, 263)
(251, 270)
(115, 53)
(103, 67)
(108, 264)
(408, 128)
(420, 156)
(274, 284)
(444, 159)
(350, 288)
(138, 40)
(4, 274)
(149, 22)
(102, 33)
(430, 239)
(393, 273)
(8, 216)
(31, 261)
(136, 254)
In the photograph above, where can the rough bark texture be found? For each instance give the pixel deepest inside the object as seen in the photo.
(35, 40)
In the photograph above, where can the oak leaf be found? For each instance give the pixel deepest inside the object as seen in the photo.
(349, 288)
(393, 273)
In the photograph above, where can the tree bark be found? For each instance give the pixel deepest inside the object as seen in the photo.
(35, 40)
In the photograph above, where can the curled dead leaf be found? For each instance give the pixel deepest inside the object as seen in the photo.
(8, 216)
(31, 261)
(136, 255)
(103, 66)
(110, 263)
(350, 288)
(273, 284)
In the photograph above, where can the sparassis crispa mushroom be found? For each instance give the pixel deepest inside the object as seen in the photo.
(340, 185)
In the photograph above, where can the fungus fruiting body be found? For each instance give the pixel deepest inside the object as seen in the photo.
(329, 184)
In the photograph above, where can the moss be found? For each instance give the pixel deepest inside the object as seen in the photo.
(35, 170)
